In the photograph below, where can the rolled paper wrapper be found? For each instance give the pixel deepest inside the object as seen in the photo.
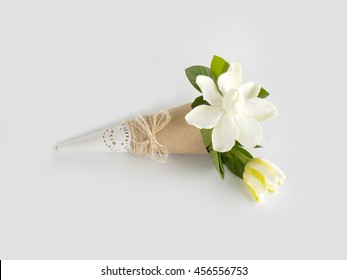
(150, 135)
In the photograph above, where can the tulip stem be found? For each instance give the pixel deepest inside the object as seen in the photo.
(241, 156)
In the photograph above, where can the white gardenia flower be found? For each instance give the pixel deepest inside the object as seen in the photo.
(235, 110)
(262, 176)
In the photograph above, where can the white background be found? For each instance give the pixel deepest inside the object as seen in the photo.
(69, 67)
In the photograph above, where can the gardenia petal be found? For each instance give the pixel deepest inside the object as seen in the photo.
(224, 134)
(249, 90)
(230, 80)
(229, 100)
(260, 109)
(250, 132)
(204, 116)
(255, 187)
(209, 90)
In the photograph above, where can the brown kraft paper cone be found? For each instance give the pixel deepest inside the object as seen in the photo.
(154, 135)
(178, 136)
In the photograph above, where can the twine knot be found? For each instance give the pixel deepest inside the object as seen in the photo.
(143, 130)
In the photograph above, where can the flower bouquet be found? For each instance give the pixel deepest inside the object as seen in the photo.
(223, 122)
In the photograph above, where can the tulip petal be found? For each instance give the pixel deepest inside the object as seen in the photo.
(280, 174)
(255, 186)
(230, 80)
(209, 90)
(204, 116)
(224, 134)
(249, 90)
(273, 187)
(250, 132)
(260, 109)
(261, 171)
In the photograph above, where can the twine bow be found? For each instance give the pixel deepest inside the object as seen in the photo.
(144, 129)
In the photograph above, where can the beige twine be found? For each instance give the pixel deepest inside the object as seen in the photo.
(143, 131)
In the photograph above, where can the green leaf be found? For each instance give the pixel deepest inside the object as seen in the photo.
(215, 156)
(217, 161)
(229, 155)
(242, 154)
(219, 66)
(263, 93)
(236, 159)
(207, 137)
(199, 101)
(194, 71)
(238, 146)
(235, 165)
(258, 146)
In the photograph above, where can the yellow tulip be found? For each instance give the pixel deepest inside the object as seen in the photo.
(262, 176)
